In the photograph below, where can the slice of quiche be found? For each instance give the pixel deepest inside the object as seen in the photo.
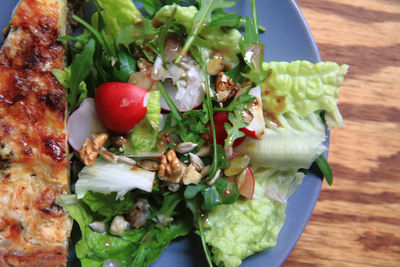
(33, 148)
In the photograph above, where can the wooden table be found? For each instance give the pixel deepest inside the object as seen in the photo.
(356, 222)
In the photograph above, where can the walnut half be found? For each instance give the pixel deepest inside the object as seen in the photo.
(91, 149)
(171, 168)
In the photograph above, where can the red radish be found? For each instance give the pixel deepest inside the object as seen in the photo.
(82, 123)
(256, 127)
(245, 182)
(121, 106)
(191, 100)
(219, 120)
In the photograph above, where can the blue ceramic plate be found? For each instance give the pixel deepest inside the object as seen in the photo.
(287, 38)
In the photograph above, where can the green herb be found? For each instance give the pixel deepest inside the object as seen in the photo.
(202, 20)
(74, 75)
(208, 105)
(233, 130)
(174, 110)
(252, 50)
(96, 34)
(325, 169)
(164, 33)
(239, 103)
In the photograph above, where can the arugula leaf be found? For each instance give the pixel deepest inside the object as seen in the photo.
(323, 165)
(225, 19)
(127, 66)
(74, 75)
(202, 20)
(252, 50)
(233, 130)
(151, 6)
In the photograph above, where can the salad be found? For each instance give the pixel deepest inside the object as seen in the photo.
(178, 126)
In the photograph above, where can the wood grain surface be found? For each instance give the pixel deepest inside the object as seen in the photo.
(356, 222)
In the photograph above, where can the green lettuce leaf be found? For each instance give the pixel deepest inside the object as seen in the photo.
(143, 137)
(303, 88)
(118, 14)
(240, 229)
(293, 144)
(100, 203)
(137, 247)
(214, 38)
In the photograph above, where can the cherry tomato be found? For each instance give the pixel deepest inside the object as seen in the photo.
(120, 106)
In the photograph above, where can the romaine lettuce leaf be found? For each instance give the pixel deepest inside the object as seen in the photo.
(293, 144)
(105, 177)
(117, 15)
(240, 229)
(303, 88)
(144, 136)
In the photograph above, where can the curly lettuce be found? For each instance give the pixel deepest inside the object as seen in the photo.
(302, 87)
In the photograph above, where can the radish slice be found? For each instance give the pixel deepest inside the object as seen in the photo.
(82, 123)
(187, 99)
(246, 184)
(256, 127)
(182, 82)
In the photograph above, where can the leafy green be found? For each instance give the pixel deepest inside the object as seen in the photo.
(293, 144)
(143, 137)
(137, 34)
(243, 228)
(221, 38)
(325, 169)
(105, 177)
(233, 130)
(125, 15)
(201, 20)
(100, 203)
(73, 76)
(137, 247)
(222, 18)
(302, 87)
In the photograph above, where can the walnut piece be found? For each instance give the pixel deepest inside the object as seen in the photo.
(191, 176)
(171, 168)
(118, 225)
(91, 149)
(225, 87)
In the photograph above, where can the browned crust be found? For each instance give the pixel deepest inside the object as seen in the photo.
(33, 229)
(44, 258)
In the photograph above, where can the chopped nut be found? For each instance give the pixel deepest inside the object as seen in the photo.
(97, 227)
(126, 160)
(196, 161)
(109, 156)
(171, 168)
(205, 170)
(225, 87)
(118, 225)
(204, 151)
(215, 65)
(191, 176)
(185, 147)
(139, 213)
(90, 149)
(149, 165)
(174, 187)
